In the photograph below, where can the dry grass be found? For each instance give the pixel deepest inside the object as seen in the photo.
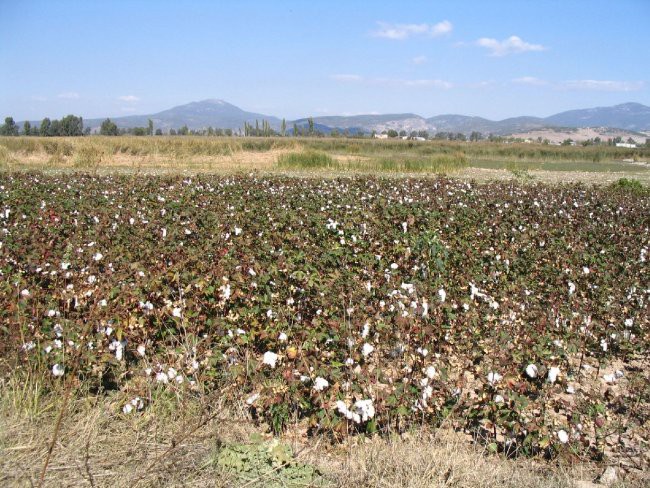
(485, 161)
(174, 441)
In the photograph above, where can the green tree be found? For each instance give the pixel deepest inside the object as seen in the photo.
(477, 136)
(55, 128)
(310, 121)
(295, 129)
(183, 131)
(108, 128)
(283, 128)
(46, 125)
(159, 132)
(27, 128)
(72, 126)
(9, 128)
(150, 127)
(392, 133)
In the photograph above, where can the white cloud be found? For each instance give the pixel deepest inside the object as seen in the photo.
(530, 80)
(404, 31)
(419, 60)
(604, 85)
(129, 98)
(344, 77)
(69, 95)
(393, 81)
(511, 45)
(426, 82)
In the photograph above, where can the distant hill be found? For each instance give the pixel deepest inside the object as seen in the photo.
(196, 115)
(220, 114)
(629, 116)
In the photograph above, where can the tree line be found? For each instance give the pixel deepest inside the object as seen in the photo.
(70, 125)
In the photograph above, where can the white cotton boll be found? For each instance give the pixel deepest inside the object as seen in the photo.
(172, 373)
(585, 270)
(283, 337)
(179, 379)
(609, 378)
(238, 231)
(127, 409)
(366, 330)
(394, 266)
(92, 279)
(572, 288)
(442, 294)
(225, 291)
(553, 373)
(618, 374)
(365, 409)
(531, 371)
(499, 399)
(58, 370)
(269, 313)
(25, 292)
(563, 436)
(98, 256)
(252, 399)
(65, 266)
(320, 384)
(404, 227)
(141, 350)
(270, 358)
(103, 303)
(176, 312)
(431, 372)
(422, 351)
(493, 378)
(367, 349)
(570, 390)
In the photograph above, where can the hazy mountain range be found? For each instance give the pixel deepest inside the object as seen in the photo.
(220, 114)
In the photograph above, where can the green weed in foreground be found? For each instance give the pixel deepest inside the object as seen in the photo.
(269, 464)
(631, 185)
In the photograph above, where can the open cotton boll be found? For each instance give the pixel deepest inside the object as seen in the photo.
(270, 358)
(141, 350)
(58, 370)
(531, 371)
(176, 312)
(493, 378)
(431, 372)
(563, 436)
(320, 384)
(553, 373)
(442, 294)
(282, 337)
(367, 349)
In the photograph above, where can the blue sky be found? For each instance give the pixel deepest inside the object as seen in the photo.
(291, 59)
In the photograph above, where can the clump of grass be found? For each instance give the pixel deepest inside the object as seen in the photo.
(89, 157)
(6, 160)
(630, 185)
(439, 163)
(307, 160)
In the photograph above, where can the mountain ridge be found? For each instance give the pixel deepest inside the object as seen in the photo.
(217, 113)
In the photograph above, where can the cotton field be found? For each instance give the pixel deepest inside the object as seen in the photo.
(519, 313)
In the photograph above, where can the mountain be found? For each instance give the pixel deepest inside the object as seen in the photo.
(221, 114)
(196, 115)
(629, 116)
